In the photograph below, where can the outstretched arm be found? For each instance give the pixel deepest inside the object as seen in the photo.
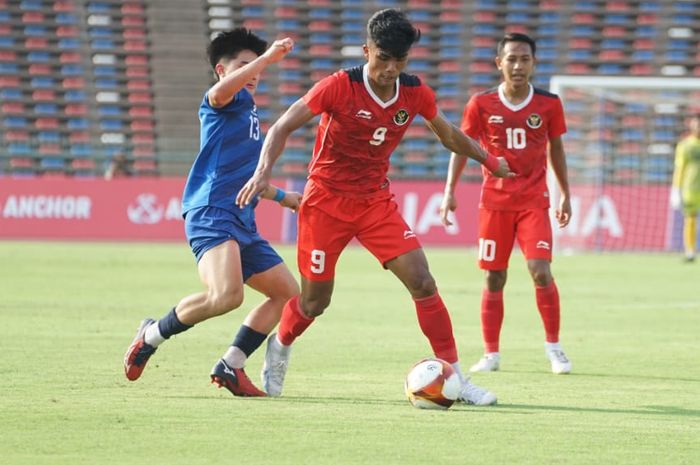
(557, 161)
(221, 93)
(449, 201)
(463, 145)
(295, 117)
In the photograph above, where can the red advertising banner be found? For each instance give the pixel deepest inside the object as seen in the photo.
(96, 209)
(615, 218)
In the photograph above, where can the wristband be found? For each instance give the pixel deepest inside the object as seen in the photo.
(490, 162)
(279, 195)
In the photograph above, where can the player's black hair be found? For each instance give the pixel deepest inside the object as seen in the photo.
(229, 44)
(516, 37)
(392, 32)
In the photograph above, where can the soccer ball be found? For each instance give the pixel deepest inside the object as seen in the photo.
(432, 384)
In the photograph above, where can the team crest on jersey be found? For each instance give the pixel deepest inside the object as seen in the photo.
(534, 121)
(401, 117)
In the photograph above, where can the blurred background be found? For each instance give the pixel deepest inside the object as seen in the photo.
(89, 84)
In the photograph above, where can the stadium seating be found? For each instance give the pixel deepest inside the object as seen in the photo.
(77, 80)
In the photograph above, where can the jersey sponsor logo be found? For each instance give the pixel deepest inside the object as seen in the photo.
(363, 114)
(407, 234)
(542, 245)
(534, 121)
(495, 119)
(401, 117)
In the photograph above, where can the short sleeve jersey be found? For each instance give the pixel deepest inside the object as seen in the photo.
(230, 143)
(520, 133)
(358, 131)
(688, 163)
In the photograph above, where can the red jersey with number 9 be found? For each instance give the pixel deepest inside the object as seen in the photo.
(520, 133)
(358, 131)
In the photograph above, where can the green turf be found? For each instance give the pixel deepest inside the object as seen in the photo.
(68, 311)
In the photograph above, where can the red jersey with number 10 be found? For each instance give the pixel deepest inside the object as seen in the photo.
(520, 133)
(358, 131)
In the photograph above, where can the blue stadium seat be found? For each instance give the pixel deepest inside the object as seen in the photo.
(19, 148)
(75, 96)
(68, 43)
(46, 108)
(66, 18)
(111, 125)
(35, 30)
(9, 68)
(72, 70)
(11, 93)
(78, 123)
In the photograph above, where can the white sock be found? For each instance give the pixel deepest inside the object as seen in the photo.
(235, 357)
(152, 337)
(492, 354)
(281, 348)
(458, 370)
(549, 346)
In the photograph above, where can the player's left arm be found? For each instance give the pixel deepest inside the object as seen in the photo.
(462, 145)
(557, 160)
(289, 199)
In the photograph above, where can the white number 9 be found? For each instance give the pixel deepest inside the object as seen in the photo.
(378, 136)
(318, 261)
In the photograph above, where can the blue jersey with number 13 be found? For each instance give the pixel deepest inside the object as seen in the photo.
(230, 144)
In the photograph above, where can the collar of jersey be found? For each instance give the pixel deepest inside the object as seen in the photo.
(506, 102)
(371, 93)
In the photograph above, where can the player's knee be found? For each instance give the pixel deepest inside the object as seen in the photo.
(496, 280)
(541, 274)
(224, 301)
(313, 307)
(421, 286)
(542, 278)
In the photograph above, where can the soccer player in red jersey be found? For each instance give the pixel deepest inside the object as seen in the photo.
(524, 124)
(365, 112)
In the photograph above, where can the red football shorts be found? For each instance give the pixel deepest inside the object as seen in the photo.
(499, 229)
(327, 223)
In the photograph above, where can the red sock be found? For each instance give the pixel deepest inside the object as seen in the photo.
(491, 319)
(434, 321)
(293, 322)
(548, 305)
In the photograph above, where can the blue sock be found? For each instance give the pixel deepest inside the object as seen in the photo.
(169, 325)
(248, 340)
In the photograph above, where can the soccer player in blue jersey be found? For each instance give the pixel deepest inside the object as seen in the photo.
(224, 237)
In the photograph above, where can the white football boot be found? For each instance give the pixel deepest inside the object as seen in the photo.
(561, 365)
(474, 395)
(275, 367)
(489, 362)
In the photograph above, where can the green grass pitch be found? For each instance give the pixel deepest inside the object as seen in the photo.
(631, 325)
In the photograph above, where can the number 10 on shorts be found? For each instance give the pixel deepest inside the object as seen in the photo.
(487, 249)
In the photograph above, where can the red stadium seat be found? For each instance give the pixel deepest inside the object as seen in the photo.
(70, 57)
(46, 123)
(133, 9)
(13, 108)
(141, 97)
(141, 112)
(67, 31)
(80, 137)
(40, 69)
(44, 95)
(63, 6)
(76, 109)
(16, 136)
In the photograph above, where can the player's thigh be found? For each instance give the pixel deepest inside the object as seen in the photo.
(220, 268)
(385, 234)
(534, 234)
(320, 240)
(267, 273)
(496, 238)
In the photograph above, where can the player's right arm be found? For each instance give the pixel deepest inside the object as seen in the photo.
(221, 93)
(296, 116)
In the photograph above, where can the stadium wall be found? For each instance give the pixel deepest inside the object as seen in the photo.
(148, 209)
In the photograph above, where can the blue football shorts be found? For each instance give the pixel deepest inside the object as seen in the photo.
(207, 227)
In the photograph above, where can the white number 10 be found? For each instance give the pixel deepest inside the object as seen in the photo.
(516, 138)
